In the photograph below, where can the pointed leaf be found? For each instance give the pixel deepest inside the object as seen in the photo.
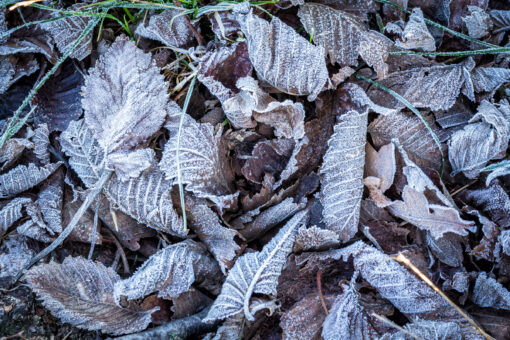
(282, 57)
(169, 28)
(41, 142)
(80, 292)
(478, 22)
(22, 178)
(342, 174)
(12, 212)
(124, 97)
(170, 272)
(255, 272)
(489, 79)
(416, 35)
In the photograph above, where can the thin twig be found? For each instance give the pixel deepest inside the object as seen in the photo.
(123, 256)
(23, 4)
(321, 296)
(402, 259)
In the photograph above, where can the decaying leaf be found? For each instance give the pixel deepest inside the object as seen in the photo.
(490, 293)
(131, 164)
(255, 273)
(171, 272)
(64, 32)
(13, 67)
(337, 31)
(80, 292)
(146, 198)
(124, 97)
(12, 150)
(436, 87)
(428, 329)
(282, 57)
(14, 255)
(41, 142)
(504, 240)
(447, 249)
(169, 27)
(374, 48)
(12, 212)
(22, 178)
(342, 174)
(347, 318)
(489, 79)
(493, 201)
(197, 152)
(478, 22)
(470, 149)
(416, 34)
(314, 238)
(381, 164)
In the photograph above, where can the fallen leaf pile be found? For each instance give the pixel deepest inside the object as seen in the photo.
(255, 170)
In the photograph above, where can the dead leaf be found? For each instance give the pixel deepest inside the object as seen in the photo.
(490, 293)
(22, 178)
(478, 22)
(11, 212)
(314, 238)
(493, 201)
(416, 35)
(169, 27)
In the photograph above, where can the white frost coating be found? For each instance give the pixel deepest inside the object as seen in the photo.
(22, 178)
(430, 330)
(504, 240)
(255, 272)
(347, 319)
(478, 22)
(282, 57)
(14, 255)
(489, 79)
(484, 139)
(12, 212)
(124, 97)
(314, 238)
(490, 293)
(374, 48)
(80, 292)
(158, 28)
(337, 31)
(416, 35)
(170, 272)
(131, 164)
(41, 141)
(342, 174)
(204, 167)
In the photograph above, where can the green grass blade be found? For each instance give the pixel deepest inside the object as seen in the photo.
(499, 50)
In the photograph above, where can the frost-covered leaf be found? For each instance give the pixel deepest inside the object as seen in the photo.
(59, 99)
(14, 255)
(12, 212)
(22, 178)
(80, 292)
(500, 19)
(286, 117)
(65, 31)
(342, 174)
(307, 312)
(413, 297)
(12, 150)
(14, 67)
(381, 164)
(374, 48)
(498, 169)
(436, 87)
(489, 79)
(337, 31)
(347, 318)
(202, 159)
(218, 239)
(170, 272)
(315, 238)
(478, 22)
(3, 23)
(146, 198)
(131, 164)
(493, 201)
(158, 28)
(484, 139)
(124, 97)
(255, 273)
(282, 57)
(428, 329)
(41, 141)
(416, 35)
(447, 249)
(504, 240)
(490, 293)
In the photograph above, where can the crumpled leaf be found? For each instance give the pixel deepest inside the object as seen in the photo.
(202, 159)
(478, 22)
(307, 312)
(158, 28)
(14, 255)
(315, 238)
(436, 87)
(447, 249)
(12, 212)
(255, 273)
(504, 240)
(416, 35)
(80, 292)
(374, 48)
(41, 141)
(413, 297)
(59, 99)
(500, 19)
(22, 178)
(146, 198)
(337, 31)
(131, 164)
(490, 293)
(342, 174)
(428, 329)
(170, 272)
(218, 239)
(470, 149)
(12, 150)
(124, 97)
(65, 31)
(14, 67)
(224, 25)
(489, 79)
(347, 318)
(282, 57)
(286, 117)
(493, 201)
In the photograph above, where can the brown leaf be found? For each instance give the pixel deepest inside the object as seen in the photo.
(492, 200)
(314, 238)
(381, 164)
(158, 28)
(416, 35)
(389, 236)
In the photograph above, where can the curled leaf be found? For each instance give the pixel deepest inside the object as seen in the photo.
(169, 27)
(416, 34)
(22, 178)
(314, 238)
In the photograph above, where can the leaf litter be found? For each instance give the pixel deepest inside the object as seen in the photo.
(303, 170)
